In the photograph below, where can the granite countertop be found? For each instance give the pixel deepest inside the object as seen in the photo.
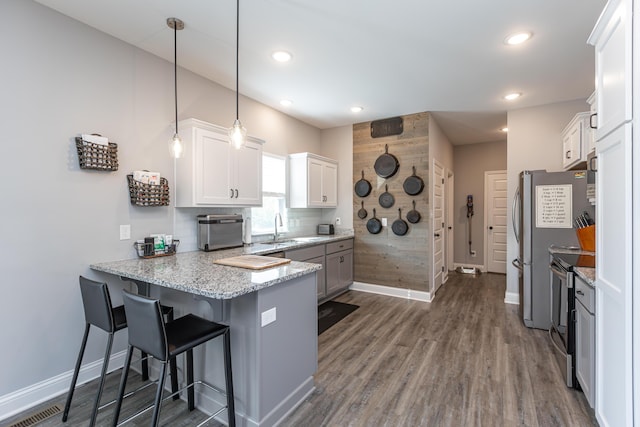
(195, 272)
(587, 274)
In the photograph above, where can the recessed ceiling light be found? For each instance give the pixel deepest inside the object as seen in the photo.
(517, 38)
(512, 96)
(281, 56)
(505, 129)
(356, 109)
(286, 103)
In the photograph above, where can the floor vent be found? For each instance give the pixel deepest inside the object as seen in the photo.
(40, 416)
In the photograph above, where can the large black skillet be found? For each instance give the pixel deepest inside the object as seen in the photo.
(399, 226)
(387, 164)
(413, 185)
(363, 187)
(374, 226)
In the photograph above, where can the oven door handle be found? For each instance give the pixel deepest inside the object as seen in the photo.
(555, 270)
(553, 341)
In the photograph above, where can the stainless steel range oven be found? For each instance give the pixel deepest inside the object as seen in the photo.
(562, 331)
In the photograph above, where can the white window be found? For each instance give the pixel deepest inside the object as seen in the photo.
(274, 196)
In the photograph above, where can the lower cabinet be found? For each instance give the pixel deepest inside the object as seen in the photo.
(585, 339)
(336, 259)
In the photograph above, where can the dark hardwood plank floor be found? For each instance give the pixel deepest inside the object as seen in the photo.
(463, 360)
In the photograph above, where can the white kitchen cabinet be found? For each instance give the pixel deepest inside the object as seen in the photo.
(313, 181)
(616, 376)
(212, 172)
(339, 266)
(585, 338)
(576, 138)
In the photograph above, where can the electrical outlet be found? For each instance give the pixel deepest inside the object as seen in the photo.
(125, 232)
(383, 221)
(338, 221)
(473, 253)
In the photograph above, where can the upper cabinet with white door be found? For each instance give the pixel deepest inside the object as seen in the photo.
(214, 173)
(576, 138)
(313, 181)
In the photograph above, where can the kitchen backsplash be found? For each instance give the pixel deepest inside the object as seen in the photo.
(301, 222)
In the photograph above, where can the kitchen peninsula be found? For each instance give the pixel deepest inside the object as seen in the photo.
(273, 318)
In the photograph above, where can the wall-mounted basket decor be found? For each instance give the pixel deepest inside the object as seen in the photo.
(148, 194)
(146, 250)
(97, 156)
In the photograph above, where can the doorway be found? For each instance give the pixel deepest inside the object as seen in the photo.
(495, 221)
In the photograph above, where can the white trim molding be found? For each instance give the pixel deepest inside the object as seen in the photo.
(21, 400)
(410, 294)
(512, 298)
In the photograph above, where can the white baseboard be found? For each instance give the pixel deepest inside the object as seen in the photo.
(479, 267)
(512, 298)
(392, 292)
(28, 397)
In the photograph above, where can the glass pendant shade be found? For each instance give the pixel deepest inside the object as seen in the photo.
(237, 134)
(176, 148)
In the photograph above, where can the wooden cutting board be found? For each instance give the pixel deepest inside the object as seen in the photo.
(253, 262)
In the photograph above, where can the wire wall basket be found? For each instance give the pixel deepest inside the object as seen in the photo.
(97, 156)
(142, 194)
(146, 250)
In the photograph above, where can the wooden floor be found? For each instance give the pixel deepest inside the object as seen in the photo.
(463, 360)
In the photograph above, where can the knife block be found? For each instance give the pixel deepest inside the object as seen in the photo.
(587, 238)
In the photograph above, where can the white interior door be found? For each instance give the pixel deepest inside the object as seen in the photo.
(495, 221)
(450, 215)
(438, 224)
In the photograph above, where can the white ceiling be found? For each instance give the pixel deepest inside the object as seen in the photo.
(391, 57)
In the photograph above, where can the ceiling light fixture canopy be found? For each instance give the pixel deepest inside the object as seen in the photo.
(356, 109)
(286, 103)
(175, 144)
(281, 56)
(518, 38)
(505, 129)
(237, 132)
(512, 96)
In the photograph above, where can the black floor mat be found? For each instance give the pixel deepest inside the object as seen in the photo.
(331, 312)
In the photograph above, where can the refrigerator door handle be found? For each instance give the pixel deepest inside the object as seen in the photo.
(514, 204)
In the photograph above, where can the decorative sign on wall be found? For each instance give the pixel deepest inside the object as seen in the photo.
(386, 127)
(554, 206)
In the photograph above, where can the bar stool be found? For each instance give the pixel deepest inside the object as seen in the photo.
(99, 312)
(165, 341)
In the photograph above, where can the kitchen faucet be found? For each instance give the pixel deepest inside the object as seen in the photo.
(278, 220)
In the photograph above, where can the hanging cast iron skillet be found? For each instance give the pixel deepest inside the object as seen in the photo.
(374, 226)
(362, 213)
(386, 199)
(413, 216)
(363, 187)
(387, 164)
(400, 226)
(413, 185)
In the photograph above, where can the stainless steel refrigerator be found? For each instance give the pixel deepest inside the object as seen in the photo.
(544, 208)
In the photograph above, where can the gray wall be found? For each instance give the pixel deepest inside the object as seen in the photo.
(63, 78)
(337, 143)
(470, 163)
(534, 142)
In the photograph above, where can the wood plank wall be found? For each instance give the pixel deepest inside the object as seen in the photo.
(384, 258)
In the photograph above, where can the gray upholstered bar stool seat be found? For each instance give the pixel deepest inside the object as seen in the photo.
(164, 341)
(99, 312)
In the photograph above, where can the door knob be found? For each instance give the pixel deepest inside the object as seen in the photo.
(491, 227)
(436, 235)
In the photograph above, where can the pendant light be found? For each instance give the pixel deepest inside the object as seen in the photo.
(237, 132)
(175, 144)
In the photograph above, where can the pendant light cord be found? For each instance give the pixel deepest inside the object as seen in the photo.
(237, 53)
(175, 70)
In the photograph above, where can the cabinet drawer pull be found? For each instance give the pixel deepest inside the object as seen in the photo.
(591, 117)
(231, 196)
(580, 293)
(568, 155)
(236, 193)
